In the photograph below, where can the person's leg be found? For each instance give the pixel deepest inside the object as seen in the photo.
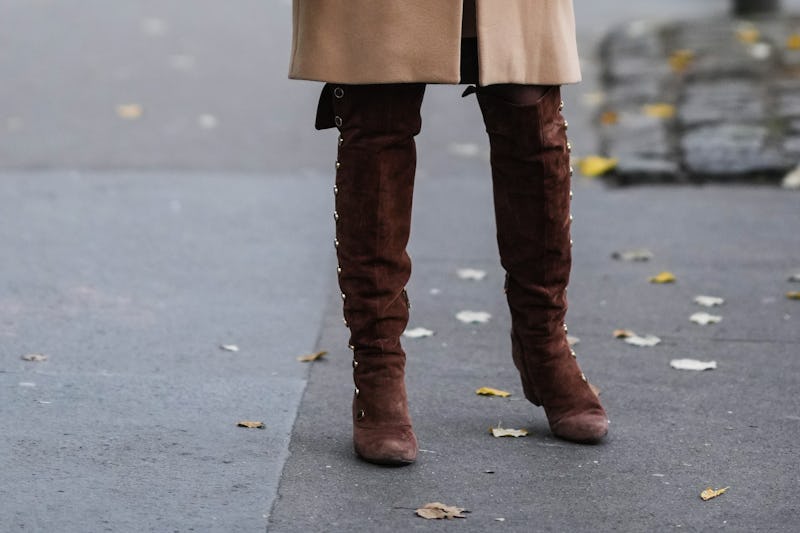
(374, 184)
(530, 159)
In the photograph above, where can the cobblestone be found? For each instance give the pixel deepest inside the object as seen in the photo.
(728, 97)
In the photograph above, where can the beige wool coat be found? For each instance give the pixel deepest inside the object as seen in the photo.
(402, 41)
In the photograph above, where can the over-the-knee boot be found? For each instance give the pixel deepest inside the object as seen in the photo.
(531, 181)
(374, 185)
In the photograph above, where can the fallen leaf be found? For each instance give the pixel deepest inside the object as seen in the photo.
(34, 357)
(609, 118)
(595, 165)
(229, 347)
(623, 333)
(438, 511)
(692, 364)
(466, 150)
(251, 424)
(793, 41)
(794, 278)
(646, 341)
(505, 432)
(761, 51)
(663, 277)
(681, 60)
(708, 301)
(129, 111)
(473, 317)
(639, 254)
(471, 273)
(705, 319)
(660, 110)
(748, 34)
(312, 357)
(489, 391)
(417, 333)
(572, 340)
(793, 295)
(595, 389)
(710, 493)
(792, 179)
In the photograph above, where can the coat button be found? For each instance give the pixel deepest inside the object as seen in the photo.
(338, 92)
(338, 121)
(361, 414)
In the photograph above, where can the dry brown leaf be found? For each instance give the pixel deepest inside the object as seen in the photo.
(129, 111)
(623, 333)
(609, 118)
(312, 357)
(663, 277)
(439, 511)
(793, 295)
(710, 493)
(34, 357)
(681, 60)
(252, 424)
(507, 432)
(489, 391)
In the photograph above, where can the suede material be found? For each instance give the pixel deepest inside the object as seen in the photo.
(531, 185)
(374, 188)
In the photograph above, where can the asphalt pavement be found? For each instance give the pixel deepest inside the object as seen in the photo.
(163, 193)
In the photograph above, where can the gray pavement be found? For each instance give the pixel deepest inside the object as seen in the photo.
(134, 248)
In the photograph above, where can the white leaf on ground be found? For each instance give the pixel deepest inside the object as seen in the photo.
(792, 179)
(647, 340)
(708, 301)
(471, 273)
(207, 121)
(229, 347)
(692, 364)
(417, 333)
(572, 340)
(464, 149)
(473, 317)
(435, 291)
(506, 432)
(704, 318)
(639, 254)
(34, 357)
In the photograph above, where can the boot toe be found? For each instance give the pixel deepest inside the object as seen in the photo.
(581, 428)
(387, 447)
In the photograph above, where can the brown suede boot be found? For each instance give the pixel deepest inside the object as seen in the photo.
(374, 185)
(531, 180)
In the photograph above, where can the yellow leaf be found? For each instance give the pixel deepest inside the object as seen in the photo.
(608, 118)
(793, 295)
(129, 111)
(488, 391)
(623, 333)
(251, 424)
(680, 60)
(660, 110)
(710, 493)
(438, 511)
(505, 432)
(595, 165)
(748, 34)
(793, 41)
(663, 277)
(312, 357)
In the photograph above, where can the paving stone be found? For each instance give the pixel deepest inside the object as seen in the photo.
(735, 86)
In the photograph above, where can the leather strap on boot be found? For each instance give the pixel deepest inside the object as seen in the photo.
(530, 159)
(374, 188)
